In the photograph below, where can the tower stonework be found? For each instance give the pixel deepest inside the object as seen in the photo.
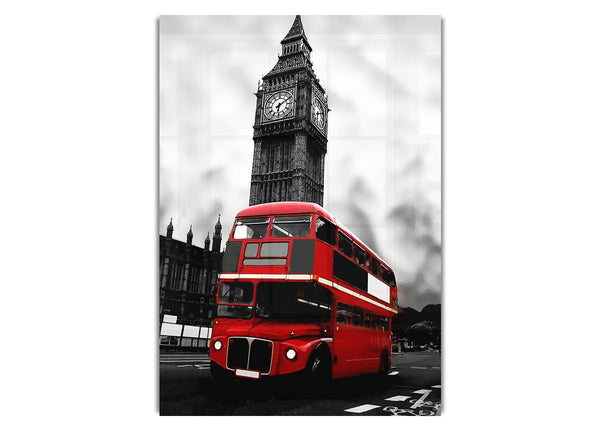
(290, 127)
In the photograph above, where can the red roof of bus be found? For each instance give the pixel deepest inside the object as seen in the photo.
(277, 208)
(285, 208)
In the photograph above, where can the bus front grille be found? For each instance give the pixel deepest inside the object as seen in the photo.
(250, 353)
(237, 353)
(260, 356)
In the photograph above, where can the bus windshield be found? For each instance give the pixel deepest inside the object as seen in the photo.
(291, 226)
(295, 301)
(251, 228)
(235, 300)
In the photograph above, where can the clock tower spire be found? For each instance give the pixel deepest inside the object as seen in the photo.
(290, 127)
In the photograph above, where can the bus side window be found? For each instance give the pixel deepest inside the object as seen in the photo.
(376, 322)
(357, 316)
(375, 267)
(359, 254)
(368, 261)
(326, 231)
(367, 319)
(344, 313)
(388, 276)
(384, 324)
(345, 244)
(384, 276)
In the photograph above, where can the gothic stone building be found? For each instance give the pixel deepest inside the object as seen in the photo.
(290, 127)
(188, 282)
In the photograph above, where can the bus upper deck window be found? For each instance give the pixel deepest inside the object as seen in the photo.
(375, 267)
(291, 227)
(326, 231)
(345, 244)
(255, 228)
(387, 276)
(359, 255)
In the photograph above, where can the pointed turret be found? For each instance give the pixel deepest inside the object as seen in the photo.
(296, 33)
(295, 50)
(296, 30)
(170, 229)
(207, 242)
(190, 235)
(217, 236)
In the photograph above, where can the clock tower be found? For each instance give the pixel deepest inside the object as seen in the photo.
(290, 127)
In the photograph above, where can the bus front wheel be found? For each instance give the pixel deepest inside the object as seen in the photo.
(318, 367)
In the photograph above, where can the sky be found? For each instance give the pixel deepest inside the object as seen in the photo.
(382, 75)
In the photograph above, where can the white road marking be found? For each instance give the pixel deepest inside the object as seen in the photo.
(437, 368)
(392, 373)
(419, 368)
(362, 409)
(398, 398)
(437, 386)
(417, 403)
(186, 365)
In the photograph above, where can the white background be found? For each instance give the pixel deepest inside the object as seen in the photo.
(78, 168)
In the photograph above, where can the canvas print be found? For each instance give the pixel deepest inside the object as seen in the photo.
(300, 215)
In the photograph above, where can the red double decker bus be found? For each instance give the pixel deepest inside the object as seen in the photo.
(299, 293)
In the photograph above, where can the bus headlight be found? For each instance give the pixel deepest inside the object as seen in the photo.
(217, 345)
(290, 354)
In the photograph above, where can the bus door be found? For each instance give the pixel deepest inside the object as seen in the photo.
(347, 344)
(371, 341)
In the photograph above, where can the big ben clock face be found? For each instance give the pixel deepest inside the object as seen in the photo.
(318, 113)
(279, 105)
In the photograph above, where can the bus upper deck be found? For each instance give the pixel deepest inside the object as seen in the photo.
(301, 241)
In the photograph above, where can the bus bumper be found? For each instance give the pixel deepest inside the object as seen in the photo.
(288, 357)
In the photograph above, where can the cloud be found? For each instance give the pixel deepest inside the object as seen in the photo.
(422, 276)
(359, 203)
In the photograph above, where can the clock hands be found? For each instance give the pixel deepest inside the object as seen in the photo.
(319, 118)
(279, 105)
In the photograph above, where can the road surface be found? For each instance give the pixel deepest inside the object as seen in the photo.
(412, 388)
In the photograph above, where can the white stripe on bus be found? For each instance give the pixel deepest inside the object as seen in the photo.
(299, 276)
(266, 276)
(357, 295)
(305, 277)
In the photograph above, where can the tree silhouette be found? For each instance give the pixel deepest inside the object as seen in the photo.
(421, 333)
